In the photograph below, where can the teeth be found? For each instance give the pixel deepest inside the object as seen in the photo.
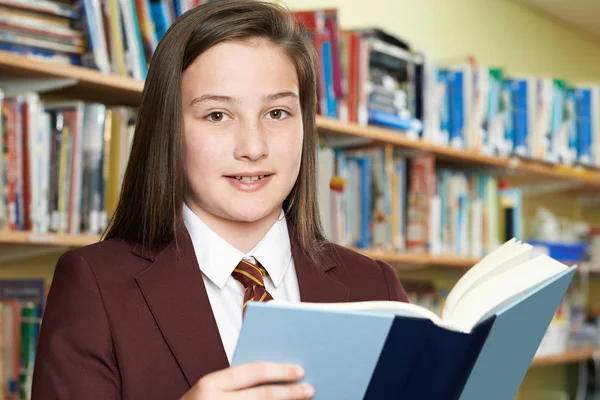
(249, 179)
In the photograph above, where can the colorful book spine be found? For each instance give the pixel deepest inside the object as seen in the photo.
(584, 125)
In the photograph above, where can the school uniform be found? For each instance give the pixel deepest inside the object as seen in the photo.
(122, 323)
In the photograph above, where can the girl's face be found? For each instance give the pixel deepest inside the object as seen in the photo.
(243, 130)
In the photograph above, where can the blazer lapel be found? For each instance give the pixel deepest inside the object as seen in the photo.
(317, 283)
(174, 289)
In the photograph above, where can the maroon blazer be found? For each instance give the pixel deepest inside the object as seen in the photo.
(123, 324)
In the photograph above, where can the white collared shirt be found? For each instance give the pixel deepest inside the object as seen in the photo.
(217, 260)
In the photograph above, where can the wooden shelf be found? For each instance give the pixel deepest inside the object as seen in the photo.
(565, 358)
(90, 85)
(400, 260)
(521, 169)
(51, 239)
(420, 259)
(48, 239)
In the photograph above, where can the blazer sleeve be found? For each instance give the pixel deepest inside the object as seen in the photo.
(75, 357)
(395, 289)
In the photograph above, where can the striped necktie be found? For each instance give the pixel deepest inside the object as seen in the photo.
(252, 278)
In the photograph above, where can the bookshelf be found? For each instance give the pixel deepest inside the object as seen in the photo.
(91, 85)
(73, 81)
(522, 169)
(65, 240)
(567, 357)
(59, 240)
(417, 259)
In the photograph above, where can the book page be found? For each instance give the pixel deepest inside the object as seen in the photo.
(516, 254)
(384, 307)
(492, 293)
(479, 271)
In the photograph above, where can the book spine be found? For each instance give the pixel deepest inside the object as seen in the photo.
(3, 166)
(457, 122)
(9, 116)
(584, 126)
(521, 143)
(365, 202)
(507, 111)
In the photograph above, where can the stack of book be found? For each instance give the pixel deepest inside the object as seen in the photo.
(40, 28)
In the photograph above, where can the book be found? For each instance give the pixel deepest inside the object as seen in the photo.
(480, 347)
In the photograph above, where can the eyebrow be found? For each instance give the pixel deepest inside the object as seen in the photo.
(229, 99)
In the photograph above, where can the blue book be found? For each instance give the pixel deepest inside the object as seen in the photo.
(364, 166)
(457, 108)
(330, 99)
(479, 348)
(584, 125)
(394, 121)
(521, 94)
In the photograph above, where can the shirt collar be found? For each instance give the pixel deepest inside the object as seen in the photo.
(217, 258)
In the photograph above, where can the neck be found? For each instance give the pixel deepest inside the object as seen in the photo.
(244, 236)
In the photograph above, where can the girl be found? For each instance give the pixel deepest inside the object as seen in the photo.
(217, 208)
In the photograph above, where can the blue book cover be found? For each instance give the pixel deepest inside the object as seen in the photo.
(480, 348)
(364, 166)
(160, 16)
(457, 122)
(584, 125)
(521, 122)
(178, 8)
(96, 55)
(444, 107)
(327, 58)
(394, 121)
(139, 42)
(571, 117)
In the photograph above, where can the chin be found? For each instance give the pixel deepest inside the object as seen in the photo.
(252, 214)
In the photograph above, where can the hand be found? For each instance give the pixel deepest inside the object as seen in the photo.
(240, 382)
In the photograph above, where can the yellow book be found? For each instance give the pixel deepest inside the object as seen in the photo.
(117, 52)
(103, 218)
(113, 185)
(62, 184)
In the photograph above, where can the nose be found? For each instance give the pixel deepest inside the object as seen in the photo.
(251, 142)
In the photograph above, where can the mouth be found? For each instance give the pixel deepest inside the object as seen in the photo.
(249, 178)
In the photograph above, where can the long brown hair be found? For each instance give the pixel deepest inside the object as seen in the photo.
(149, 211)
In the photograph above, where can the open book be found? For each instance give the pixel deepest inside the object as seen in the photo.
(481, 346)
(510, 271)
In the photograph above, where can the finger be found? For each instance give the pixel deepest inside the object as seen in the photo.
(252, 374)
(298, 391)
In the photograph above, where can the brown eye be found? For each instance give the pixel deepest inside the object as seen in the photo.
(216, 116)
(277, 114)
